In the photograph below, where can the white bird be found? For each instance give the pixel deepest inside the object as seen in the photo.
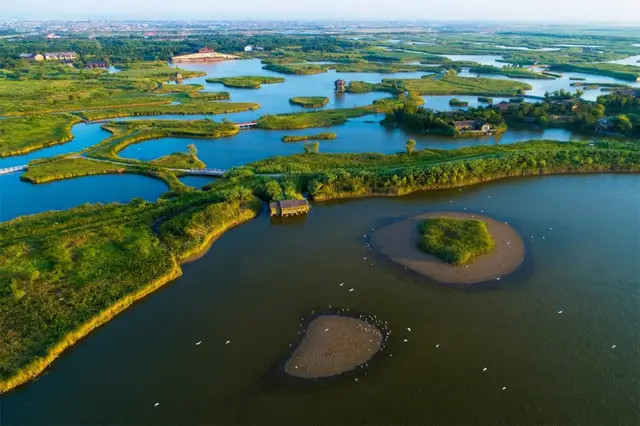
(350, 290)
(198, 343)
(156, 404)
(227, 342)
(504, 388)
(484, 369)
(406, 340)
(364, 258)
(341, 284)
(356, 379)
(326, 329)
(498, 279)
(438, 345)
(613, 347)
(408, 329)
(560, 311)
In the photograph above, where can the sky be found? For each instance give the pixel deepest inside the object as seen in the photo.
(426, 10)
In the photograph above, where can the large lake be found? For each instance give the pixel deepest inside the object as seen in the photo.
(582, 243)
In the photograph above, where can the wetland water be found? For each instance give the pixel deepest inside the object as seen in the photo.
(259, 279)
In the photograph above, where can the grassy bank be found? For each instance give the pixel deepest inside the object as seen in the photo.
(246, 82)
(445, 84)
(67, 273)
(68, 168)
(514, 72)
(21, 135)
(189, 108)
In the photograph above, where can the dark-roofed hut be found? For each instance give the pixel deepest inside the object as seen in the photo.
(289, 207)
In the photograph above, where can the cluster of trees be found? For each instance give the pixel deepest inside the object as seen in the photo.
(421, 119)
(123, 49)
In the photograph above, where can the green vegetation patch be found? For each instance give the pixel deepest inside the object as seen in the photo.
(510, 71)
(310, 101)
(67, 168)
(456, 241)
(297, 69)
(318, 136)
(246, 82)
(21, 135)
(623, 72)
(451, 84)
(179, 160)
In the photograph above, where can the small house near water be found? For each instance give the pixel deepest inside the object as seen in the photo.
(286, 208)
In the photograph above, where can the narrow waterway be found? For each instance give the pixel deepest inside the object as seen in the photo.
(561, 335)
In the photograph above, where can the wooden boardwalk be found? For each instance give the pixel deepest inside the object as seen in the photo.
(247, 125)
(13, 169)
(202, 172)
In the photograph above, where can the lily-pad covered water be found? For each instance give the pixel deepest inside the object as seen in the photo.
(557, 342)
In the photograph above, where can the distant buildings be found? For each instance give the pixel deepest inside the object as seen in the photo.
(36, 57)
(49, 56)
(96, 64)
(503, 106)
(605, 125)
(204, 55)
(472, 126)
(60, 56)
(250, 48)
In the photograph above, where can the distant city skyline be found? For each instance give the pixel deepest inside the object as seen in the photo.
(425, 10)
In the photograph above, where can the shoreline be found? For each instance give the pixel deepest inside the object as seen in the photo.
(36, 366)
(399, 242)
(33, 370)
(334, 344)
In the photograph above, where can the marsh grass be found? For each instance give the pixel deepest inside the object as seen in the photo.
(456, 241)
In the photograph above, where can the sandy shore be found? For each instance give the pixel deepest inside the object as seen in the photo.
(332, 345)
(399, 241)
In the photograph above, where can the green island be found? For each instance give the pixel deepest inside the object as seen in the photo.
(456, 241)
(447, 83)
(458, 103)
(297, 69)
(246, 81)
(329, 117)
(623, 72)
(485, 99)
(510, 71)
(317, 136)
(310, 101)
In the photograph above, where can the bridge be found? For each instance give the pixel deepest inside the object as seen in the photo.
(247, 125)
(13, 169)
(202, 172)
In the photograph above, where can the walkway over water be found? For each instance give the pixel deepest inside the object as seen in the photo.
(247, 125)
(202, 172)
(13, 169)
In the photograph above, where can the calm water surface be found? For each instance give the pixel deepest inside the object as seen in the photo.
(19, 198)
(363, 134)
(582, 240)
